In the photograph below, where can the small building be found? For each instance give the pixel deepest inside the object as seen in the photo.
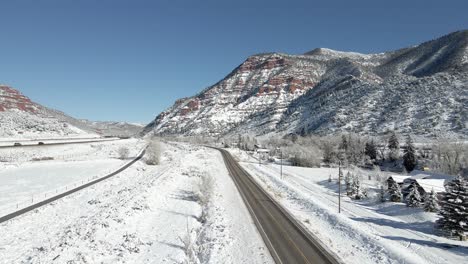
(266, 151)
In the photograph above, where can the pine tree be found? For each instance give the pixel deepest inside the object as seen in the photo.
(344, 143)
(382, 194)
(348, 180)
(394, 191)
(356, 189)
(409, 158)
(394, 147)
(432, 203)
(414, 198)
(454, 208)
(371, 150)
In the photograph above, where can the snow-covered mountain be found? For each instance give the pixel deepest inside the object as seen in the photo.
(22, 118)
(421, 90)
(110, 128)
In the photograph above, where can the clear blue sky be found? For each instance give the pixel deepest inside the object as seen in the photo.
(129, 60)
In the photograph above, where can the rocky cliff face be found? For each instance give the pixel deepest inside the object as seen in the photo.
(420, 90)
(12, 99)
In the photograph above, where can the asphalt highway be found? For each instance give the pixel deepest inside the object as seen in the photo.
(286, 239)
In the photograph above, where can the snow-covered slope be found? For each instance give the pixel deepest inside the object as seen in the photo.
(22, 118)
(109, 128)
(422, 90)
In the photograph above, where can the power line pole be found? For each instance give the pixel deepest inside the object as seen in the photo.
(339, 187)
(281, 162)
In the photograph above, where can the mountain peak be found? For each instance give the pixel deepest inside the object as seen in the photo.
(328, 91)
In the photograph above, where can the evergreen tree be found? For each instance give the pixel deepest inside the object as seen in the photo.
(394, 147)
(382, 194)
(371, 150)
(348, 180)
(356, 189)
(409, 158)
(294, 138)
(454, 208)
(432, 203)
(394, 191)
(414, 198)
(344, 143)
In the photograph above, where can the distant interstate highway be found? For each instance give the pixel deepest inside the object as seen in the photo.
(51, 142)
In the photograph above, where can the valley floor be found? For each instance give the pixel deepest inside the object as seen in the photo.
(146, 214)
(31, 174)
(366, 231)
(188, 210)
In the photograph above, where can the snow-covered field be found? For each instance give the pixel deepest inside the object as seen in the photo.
(143, 215)
(28, 175)
(24, 185)
(366, 231)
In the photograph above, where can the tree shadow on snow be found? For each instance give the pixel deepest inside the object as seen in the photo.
(426, 227)
(183, 195)
(332, 186)
(457, 249)
(172, 245)
(181, 214)
(396, 209)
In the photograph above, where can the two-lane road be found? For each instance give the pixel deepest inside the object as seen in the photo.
(287, 241)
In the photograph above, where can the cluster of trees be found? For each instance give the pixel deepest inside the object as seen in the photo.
(444, 156)
(413, 197)
(351, 149)
(246, 142)
(449, 157)
(300, 151)
(452, 206)
(353, 186)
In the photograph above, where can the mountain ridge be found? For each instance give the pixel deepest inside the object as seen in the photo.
(281, 94)
(22, 117)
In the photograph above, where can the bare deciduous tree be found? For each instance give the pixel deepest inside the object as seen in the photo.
(123, 152)
(153, 152)
(450, 157)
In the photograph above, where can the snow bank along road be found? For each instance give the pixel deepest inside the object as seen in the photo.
(287, 240)
(55, 198)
